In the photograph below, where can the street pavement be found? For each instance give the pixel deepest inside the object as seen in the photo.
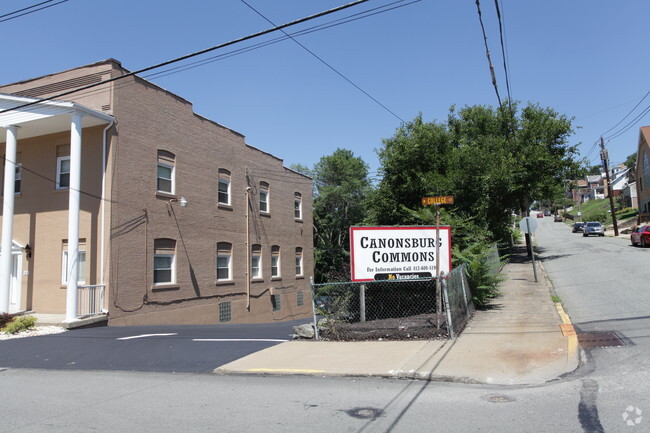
(522, 338)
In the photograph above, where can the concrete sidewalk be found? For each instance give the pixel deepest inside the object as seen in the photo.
(518, 340)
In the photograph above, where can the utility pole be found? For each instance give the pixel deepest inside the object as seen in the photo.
(604, 156)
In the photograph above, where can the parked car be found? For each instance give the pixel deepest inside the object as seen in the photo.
(547, 213)
(593, 228)
(557, 219)
(540, 215)
(578, 227)
(641, 236)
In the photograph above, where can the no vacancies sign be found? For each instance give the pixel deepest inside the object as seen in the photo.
(398, 253)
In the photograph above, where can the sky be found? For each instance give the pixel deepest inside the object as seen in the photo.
(351, 85)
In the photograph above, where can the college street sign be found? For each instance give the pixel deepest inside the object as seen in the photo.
(428, 201)
(398, 253)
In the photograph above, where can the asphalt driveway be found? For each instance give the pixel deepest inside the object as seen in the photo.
(169, 348)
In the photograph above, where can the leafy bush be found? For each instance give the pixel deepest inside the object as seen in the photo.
(5, 318)
(481, 275)
(627, 212)
(19, 323)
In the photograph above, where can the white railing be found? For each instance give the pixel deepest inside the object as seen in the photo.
(90, 300)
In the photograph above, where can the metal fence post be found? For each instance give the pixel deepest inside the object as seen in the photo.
(362, 303)
(445, 294)
(313, 307)
(463, 286)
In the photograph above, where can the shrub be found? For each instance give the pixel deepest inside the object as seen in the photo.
(19, 324)
(5, 318)
(481, 275)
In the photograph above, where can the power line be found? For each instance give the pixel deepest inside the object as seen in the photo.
(630, 124)
(626, 116)
(29, 11)
(320, 59)
(487, 52)
(503, 54)
(188, 56)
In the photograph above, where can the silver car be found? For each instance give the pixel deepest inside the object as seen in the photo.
(593, 228)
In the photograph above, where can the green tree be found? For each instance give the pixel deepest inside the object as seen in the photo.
(342, 185)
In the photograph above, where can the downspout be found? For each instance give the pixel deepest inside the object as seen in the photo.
(248, 253)
(102, 223)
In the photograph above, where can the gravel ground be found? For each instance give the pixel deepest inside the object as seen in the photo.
(38, 330)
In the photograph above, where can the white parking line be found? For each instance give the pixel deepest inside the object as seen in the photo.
(238, 339)
(145, 336)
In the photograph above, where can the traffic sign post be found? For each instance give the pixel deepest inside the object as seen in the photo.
(529, 225)
(437, 201)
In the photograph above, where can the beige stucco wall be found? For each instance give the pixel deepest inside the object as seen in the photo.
(41, 216)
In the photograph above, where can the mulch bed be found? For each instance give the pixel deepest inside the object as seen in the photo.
(422, 327)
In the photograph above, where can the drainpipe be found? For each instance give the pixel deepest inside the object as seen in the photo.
(248, 254)
(102, 241)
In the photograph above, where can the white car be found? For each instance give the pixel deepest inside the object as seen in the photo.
(593, 228)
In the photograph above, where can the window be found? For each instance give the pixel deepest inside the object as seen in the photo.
(300, 298)
(646, 170)
(224, 261)
(224, 187)
(277, 302)
(82, 267)
(297, 206)
(63, 172)
(256, 262)
(275, 261)
(164, 261)
(18, 177)
(225, 311)
(165, 172)
(264, 197)
(298, 262)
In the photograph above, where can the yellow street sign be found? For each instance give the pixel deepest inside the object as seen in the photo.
(428, 201)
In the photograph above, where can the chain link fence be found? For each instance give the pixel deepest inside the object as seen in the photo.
(392, 309)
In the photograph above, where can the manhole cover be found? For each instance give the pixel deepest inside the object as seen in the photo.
(365, 412)
(499, 399)
(599, 339)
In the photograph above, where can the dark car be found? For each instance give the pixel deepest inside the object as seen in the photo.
(641, 236)
(593, 228)
(578, 227)
(547, 213)
(557, 219)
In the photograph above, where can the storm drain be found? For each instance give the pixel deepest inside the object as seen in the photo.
(589, 340)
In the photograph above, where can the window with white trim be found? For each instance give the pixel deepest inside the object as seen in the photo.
(165, 172)
(63, 172)
(275, 261)
(256, 262)
(164, 261)
(297, 206)
(299, 270)
(264, 197)
(18, 177)
(224, 187)
(224, 261)
(82, 267)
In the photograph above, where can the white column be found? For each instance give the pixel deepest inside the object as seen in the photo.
(8, 217)
(73, 219)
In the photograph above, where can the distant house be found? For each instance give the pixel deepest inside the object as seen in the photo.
(120, 199)
(642, 172)
(596, 186)
(629, 193)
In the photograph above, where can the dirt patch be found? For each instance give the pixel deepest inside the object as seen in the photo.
(421, 327)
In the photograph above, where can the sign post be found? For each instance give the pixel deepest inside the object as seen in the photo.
(529, 225)
(437, 201)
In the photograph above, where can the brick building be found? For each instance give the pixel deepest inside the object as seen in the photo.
(166, 217)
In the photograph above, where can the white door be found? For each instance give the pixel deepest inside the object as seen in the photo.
(15, 291)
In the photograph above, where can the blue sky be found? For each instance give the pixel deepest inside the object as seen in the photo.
(586, 59)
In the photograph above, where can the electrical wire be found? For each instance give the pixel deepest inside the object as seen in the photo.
(627, 115)
(191, 55)
(487, 52)
(503, 54)
(27, 9)
(629, 125)
(320, 59)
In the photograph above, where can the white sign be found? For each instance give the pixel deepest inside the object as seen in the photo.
(398, 253)
(528, 223)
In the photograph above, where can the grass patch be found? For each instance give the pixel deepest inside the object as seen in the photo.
(556, 299)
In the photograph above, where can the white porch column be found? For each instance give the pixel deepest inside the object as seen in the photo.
(8, 217)
(73, 218)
